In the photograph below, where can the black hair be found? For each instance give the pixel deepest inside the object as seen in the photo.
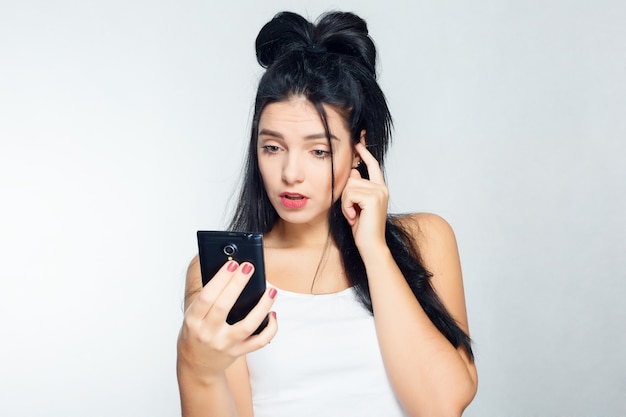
(333, 62)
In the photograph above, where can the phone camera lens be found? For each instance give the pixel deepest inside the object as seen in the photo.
(230, 249)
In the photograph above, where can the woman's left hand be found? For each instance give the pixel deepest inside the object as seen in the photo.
(364, 203)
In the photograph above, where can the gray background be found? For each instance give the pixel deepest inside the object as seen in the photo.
(123, 126)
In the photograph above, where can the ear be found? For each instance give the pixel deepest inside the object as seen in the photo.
(356, 160)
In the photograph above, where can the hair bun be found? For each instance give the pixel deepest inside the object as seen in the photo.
(285, 32)
(346, 33)
(342, 33)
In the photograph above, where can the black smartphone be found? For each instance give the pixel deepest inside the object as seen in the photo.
(215, 248)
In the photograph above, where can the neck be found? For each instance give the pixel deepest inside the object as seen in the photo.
(301, 235)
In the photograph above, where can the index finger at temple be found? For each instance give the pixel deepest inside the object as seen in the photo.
(373, 167)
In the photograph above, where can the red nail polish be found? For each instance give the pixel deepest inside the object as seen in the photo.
(246, 268)
(232, 266)
(272, 293)
(273, 313)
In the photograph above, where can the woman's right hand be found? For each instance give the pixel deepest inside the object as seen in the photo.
(207, 344)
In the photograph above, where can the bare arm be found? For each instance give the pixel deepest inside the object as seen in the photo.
(428, 374)
(209, 349)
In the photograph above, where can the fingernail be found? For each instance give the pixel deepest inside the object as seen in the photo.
(272, 293)
(246, 268)
(232, 266)
(273, 313)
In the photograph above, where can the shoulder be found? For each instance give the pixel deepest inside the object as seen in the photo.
(193, 282)
(430, 232)
(424, 221)
(436, 245)
(194, 267)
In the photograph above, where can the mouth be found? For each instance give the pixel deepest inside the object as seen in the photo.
(292, 196)
(293, 200)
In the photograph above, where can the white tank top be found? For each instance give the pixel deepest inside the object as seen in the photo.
(324, 361)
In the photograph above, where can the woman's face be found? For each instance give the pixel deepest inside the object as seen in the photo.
(295, 160)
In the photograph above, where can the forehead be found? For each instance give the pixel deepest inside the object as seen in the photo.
(299, 115)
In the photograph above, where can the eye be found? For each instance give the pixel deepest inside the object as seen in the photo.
(270, 149)
(320, 153)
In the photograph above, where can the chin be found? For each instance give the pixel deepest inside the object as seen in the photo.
(301, 217)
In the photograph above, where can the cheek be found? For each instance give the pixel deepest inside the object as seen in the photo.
(342, 173)
(264, 173)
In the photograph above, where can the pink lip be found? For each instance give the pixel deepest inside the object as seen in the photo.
(293, 200)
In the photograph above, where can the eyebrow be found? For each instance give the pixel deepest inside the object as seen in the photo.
(268, 132)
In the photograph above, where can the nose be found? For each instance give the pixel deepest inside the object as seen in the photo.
(293, 172)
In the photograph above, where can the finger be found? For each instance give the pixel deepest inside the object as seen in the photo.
(349, 212)
(257, 341)
(211, 291)
(373, 167)
(349, 205)
(226, 299)
(255, 317)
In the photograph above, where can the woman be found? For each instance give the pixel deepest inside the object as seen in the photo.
(371, 306)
